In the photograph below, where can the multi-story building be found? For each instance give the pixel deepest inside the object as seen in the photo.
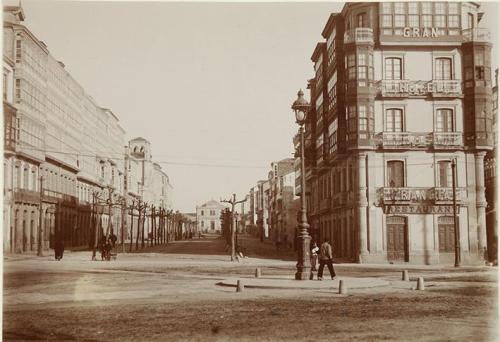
(262, 207)
(64, 154)
(401, 93)
(490, 181)
(282, 208)
(208, 217)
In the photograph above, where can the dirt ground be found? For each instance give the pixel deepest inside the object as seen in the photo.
(169, 294)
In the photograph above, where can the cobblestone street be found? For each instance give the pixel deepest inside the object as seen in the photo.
(171, 294)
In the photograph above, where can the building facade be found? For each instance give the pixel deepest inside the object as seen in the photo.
(64, 159)
(208, 217)
(401, 94)
(282, 203)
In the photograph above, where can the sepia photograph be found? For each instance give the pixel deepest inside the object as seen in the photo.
(250, 170)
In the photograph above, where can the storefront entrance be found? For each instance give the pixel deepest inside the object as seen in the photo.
(397, 239)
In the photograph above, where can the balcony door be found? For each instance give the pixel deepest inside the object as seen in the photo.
(394, 120)
(445, 174)
(395, 173)
(444, 120)
(442, 69)
(397, 239)
(393, 69)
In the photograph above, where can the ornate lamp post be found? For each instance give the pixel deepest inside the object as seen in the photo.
(300, 108)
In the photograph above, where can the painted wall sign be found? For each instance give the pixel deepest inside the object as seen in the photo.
(417, 32)
(420, 209)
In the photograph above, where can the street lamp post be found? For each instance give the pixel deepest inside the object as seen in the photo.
(300, 108)
(455, 226)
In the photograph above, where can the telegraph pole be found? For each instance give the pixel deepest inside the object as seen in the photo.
(233, 202)
(457, 237)
(40, 222)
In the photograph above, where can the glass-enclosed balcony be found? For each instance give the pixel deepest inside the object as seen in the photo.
(477, 34)
(358, 35)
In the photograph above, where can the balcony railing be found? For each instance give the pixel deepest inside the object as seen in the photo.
(406, 140)
(358, 35)
(403, 139)
(447, 139)
(404, 88)
(325, 204)
(436, 195)
(476, 35)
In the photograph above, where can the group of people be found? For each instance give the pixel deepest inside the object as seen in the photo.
(325, 255)
(106, 244)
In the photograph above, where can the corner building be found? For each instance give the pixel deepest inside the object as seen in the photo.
(401, 91)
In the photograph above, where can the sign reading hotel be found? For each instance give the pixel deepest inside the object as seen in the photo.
(418, 32)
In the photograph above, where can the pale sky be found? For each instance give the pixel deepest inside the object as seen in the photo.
(205, 83)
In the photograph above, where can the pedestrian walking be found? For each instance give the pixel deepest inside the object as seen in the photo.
(314, 256)
(59, 249)
(326, 258)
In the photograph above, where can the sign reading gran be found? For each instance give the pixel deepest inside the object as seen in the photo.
(417, 32)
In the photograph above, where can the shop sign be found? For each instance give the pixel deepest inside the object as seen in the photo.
(417, 32)
(420, 195)
(420, 209)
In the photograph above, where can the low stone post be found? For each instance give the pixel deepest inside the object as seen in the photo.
(342, 287)
(240, 286)
(405, 276)
(420, 284)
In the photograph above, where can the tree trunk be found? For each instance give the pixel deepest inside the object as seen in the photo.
(142, 231)
(131, 230)
(138, 229)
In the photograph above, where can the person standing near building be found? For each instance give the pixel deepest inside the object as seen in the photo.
(325, 258)
(314, 256)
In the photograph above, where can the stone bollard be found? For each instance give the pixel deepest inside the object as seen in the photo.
(342, 287)
(239, 286)
(420, 284)
(405, 276)
(257, 273)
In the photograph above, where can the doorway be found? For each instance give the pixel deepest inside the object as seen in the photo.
(397, 239)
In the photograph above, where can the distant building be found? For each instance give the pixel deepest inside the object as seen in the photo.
(282, 210)
(208, 217)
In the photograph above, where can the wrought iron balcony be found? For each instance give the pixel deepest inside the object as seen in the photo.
(477, 34)
(403, 140)
(447, 139)
(445, 87)
(407, 195)
(325, 204)
(358, 35)
(405, 88)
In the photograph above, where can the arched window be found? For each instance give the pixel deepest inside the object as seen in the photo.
(393, 70)
(394, 120)
(395, 173)
(444, 120)
(442, 69)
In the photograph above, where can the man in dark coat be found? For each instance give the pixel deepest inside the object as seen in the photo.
(59, 248)
(326, 258)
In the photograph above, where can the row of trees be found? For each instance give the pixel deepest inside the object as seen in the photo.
(164, 225)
